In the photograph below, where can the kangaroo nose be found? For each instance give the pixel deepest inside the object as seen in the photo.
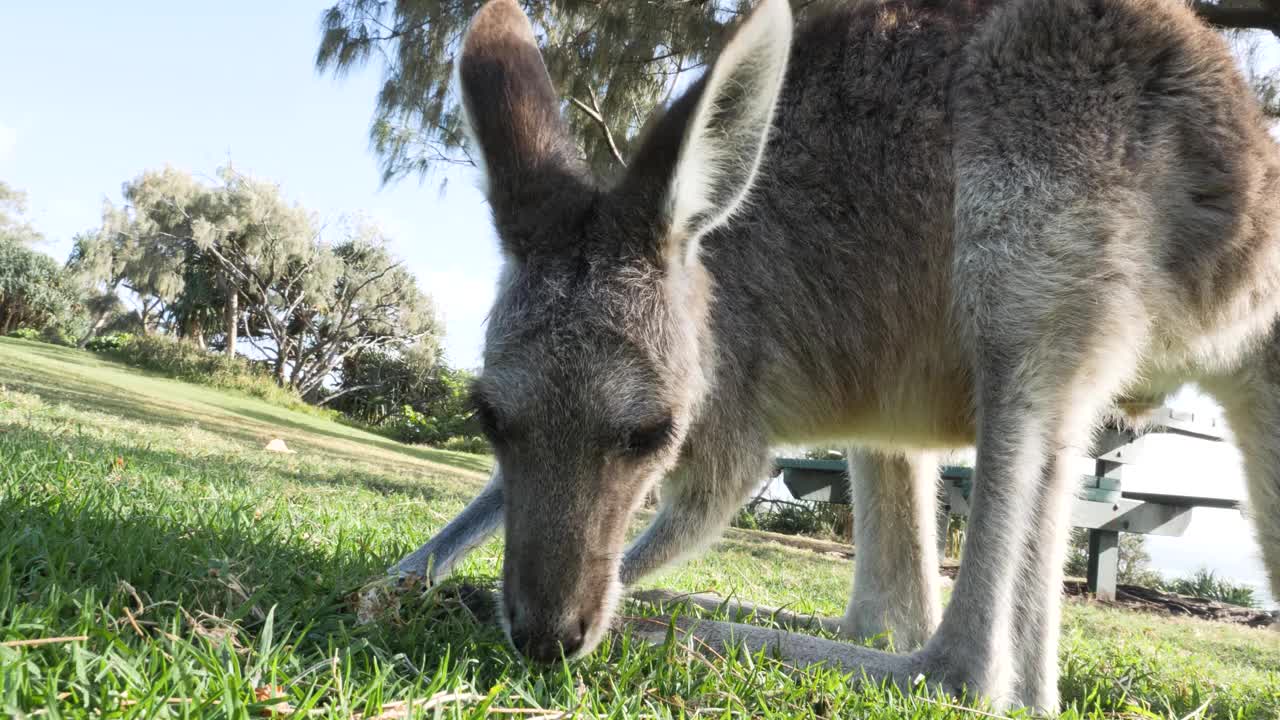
(548, 647)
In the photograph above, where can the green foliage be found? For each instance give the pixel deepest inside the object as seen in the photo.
(474, 444)
(211, 262)
(794, 517)
(114, 342)
(1134, 564)
(34, 291)
(25, 333)
(187, 362)
(1207, 585)
(60, 333)
(410, 396)
(440, 428)
(612, 63)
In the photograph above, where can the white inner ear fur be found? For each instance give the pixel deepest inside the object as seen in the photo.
(727, 134)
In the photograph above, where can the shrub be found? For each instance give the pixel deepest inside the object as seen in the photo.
(468, 444)
(190, 363)
(25, 333)
(1134, 568)
(793, 517)
(112, 343)
(1207, 585)
(35, 292)
(57, 335)
(447, 430)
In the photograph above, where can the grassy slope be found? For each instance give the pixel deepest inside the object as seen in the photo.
(213, 579)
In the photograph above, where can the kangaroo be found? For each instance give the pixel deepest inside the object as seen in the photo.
(914, 226)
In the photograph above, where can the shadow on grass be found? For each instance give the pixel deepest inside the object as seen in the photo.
(462, 461)
(253, 426)
(243, 470)
(72, 533)
(55, 352)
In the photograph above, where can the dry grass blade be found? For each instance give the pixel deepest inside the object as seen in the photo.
(405, 708)
(963, 709)
(43, 641)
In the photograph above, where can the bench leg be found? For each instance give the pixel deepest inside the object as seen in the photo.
(1104, 563)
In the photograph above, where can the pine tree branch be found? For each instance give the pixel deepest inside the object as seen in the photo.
(593, 112)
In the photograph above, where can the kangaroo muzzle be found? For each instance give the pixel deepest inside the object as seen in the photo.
(556, 605)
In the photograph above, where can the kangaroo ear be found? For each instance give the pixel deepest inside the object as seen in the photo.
(512, 111)
(699, 160)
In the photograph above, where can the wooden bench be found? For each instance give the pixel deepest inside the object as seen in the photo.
(1102, 505)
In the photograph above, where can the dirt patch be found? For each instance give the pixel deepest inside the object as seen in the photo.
(1134, 597)
(1149, 600)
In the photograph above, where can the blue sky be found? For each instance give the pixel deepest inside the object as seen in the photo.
(94, 93)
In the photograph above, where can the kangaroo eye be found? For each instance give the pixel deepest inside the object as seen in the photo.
(650, 438)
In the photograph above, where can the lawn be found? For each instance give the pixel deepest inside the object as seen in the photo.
(156, 562)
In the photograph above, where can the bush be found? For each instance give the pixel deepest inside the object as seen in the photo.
(473, 444)
(185, 361)
(1207, 585)
(794, 517)
(411, 396)
(35, 292)
(54, 334)
(1134, 567)
(446, 431)
(57, 335)
(112, 343)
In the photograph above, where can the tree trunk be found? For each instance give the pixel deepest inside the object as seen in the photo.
(282, 358)
(232, 319)
(296, 375)
(98, 321)
(196, 333)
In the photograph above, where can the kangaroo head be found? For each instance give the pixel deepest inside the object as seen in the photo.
(596, 357)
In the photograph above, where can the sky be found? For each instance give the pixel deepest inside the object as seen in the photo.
(92, 94)
(119, 88)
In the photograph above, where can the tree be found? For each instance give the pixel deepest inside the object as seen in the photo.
(13, 205)
(33, 291)
(146, 245)
(233, 252)
(259, 246)
(374, 304)
(1248, 47)
(377, 384)
(202, 254)
(93, 268)
(612, 61)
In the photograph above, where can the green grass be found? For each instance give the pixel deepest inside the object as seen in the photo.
(209, 578)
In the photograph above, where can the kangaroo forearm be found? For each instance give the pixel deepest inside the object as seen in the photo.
(475, 524)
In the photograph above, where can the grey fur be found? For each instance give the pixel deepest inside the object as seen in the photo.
(972, 223)
(437, 557)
